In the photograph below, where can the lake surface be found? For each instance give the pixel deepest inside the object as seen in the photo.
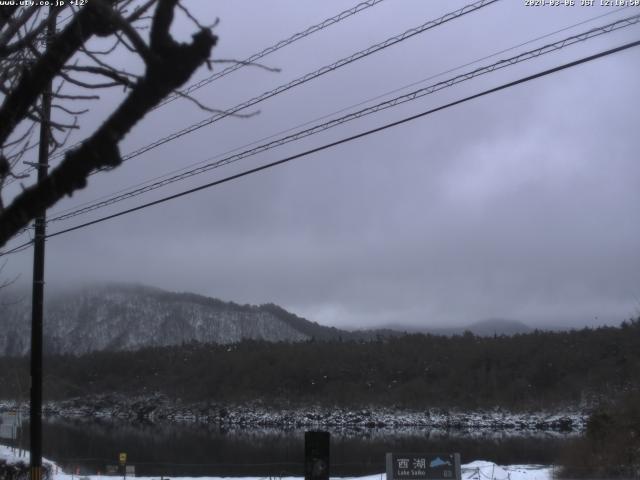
(195, 449)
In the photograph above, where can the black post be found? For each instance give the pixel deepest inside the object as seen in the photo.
(316, 455)
(37, 301)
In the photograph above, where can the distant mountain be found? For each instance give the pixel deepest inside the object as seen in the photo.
(482, 328)
(498, 326)
(128, 317)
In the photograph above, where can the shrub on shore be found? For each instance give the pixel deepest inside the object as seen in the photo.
(611, 444)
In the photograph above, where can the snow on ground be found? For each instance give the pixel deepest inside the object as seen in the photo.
(481, 470)
(477, 470)
(13, 456)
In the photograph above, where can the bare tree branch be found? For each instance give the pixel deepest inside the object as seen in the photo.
(140, 11)
(168, 66)
(109, 50)
(247, 64)
(120, 23)
(15, 25)
(69, 111)
(195, 20)
(33, 80)
(76, 97)
(104, 64)
(23, 41)
(215, 110)
(6, 13)
(106, 72)
(87, 85)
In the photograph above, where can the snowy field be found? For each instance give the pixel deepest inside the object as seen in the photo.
(478, 470)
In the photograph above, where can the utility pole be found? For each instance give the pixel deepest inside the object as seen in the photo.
(35, 419)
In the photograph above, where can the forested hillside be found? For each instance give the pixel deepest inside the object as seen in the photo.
(531, 370)
(128, 317)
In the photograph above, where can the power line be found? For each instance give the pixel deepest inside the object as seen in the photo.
(345, 61)
(310, 76)
(249, 60)
(359, 114)
(17, 249)
(364, 102)
(431, 77)
(353, 137)
(277, 46)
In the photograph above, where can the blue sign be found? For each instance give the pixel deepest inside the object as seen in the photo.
(423, 466)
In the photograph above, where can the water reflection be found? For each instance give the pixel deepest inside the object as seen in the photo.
(193, 449)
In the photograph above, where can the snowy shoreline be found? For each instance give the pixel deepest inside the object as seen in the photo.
(476, 470)
(159, 409)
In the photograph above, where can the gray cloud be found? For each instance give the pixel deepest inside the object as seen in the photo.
(523, 204)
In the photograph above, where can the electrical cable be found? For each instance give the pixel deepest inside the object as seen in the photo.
(364, 102)
(306, 78)
(353, 137)
(358, 114)
(249, 60)
(256, 56)
(277, 46)
(17, 249)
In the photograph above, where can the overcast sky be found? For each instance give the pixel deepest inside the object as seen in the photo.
(524, 204)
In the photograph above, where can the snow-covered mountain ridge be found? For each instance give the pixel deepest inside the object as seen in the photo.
(127, 317)
(117, 317)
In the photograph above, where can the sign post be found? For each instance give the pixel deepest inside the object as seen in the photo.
(111, 470)
(123, 462)
(423, 466)
(10, 422)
